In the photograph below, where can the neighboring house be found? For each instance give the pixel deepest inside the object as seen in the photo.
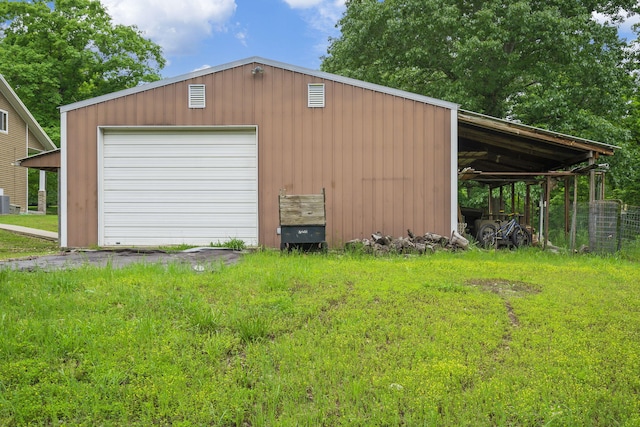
(201, 158)
(20, 136)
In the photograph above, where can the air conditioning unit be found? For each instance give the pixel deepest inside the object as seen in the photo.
(5, 206)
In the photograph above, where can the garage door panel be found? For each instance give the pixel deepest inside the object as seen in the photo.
(221, 233)
(179, 219)
(193, 207)
(171, 198)
(191, 187)
(182, 162)
(178, 174)
(171, 236)
(154, 208)
(178, 187)
(173, 136)
(186, 151)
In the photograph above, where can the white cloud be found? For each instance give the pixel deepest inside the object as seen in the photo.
(241, 34)
(321, 17)
(175, 25)
(302, 4)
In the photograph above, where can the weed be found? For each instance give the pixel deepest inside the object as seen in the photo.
(235, 244)
(206, 319)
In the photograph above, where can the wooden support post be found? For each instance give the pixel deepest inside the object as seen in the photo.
(527, 206)
(574, 216)
(513, 198)
(547, 200)
(592, 198)
(541, 216)
(592, 180)
(566, 208)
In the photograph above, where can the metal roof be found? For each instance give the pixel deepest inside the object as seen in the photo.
(47, 160)
(517, 152)
(262, 61)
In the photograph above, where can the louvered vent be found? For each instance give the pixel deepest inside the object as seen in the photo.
(196, 96)
(316, 95)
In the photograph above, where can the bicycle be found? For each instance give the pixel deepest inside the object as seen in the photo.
(509, 232)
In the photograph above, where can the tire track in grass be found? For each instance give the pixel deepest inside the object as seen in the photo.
(505, 289)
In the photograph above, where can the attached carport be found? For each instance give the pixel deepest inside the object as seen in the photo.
(499, 153)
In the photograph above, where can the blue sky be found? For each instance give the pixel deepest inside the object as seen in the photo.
(196, 34)
(200, 33)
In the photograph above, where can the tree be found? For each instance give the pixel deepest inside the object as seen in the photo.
(60, 52)
(549, 64)
(546, 63)
(624, 177)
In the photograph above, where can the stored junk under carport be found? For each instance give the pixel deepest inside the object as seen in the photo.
(500, 153)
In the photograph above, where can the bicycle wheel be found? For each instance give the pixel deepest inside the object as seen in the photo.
(487, 236)
(520, 237)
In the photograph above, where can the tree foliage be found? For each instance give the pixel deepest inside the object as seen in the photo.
(550, 64)
(56, 53)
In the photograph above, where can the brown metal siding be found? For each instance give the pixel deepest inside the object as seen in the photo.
(383, 160)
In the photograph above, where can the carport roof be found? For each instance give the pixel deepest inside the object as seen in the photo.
(47, 160)
(516, 152)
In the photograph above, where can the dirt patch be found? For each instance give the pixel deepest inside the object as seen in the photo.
(200, 258)
(505, 288)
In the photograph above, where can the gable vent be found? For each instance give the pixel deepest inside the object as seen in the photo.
(316, 95)
(197, 96)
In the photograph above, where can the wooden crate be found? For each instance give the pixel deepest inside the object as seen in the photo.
(302, 209)
(302, 221)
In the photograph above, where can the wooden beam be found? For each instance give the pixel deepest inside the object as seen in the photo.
(523, 131)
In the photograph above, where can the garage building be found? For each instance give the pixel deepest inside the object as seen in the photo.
(201, 158)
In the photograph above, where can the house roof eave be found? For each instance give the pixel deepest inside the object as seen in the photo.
(24, 113)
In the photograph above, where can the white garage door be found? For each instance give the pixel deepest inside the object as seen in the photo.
(167, 187)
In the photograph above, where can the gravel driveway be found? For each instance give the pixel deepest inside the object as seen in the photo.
(199, 258)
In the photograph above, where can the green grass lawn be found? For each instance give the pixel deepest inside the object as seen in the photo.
(41, 222)
(17, 246)
(477, 338)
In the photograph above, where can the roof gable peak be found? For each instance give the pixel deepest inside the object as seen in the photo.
(266, 62)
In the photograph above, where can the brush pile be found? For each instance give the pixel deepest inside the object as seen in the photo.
(380, 244)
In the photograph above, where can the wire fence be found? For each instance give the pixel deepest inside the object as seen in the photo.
(630, 223)
(603, 226)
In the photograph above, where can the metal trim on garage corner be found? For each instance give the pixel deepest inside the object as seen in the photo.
(100, 151)
(62, 183)
(454, 170)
